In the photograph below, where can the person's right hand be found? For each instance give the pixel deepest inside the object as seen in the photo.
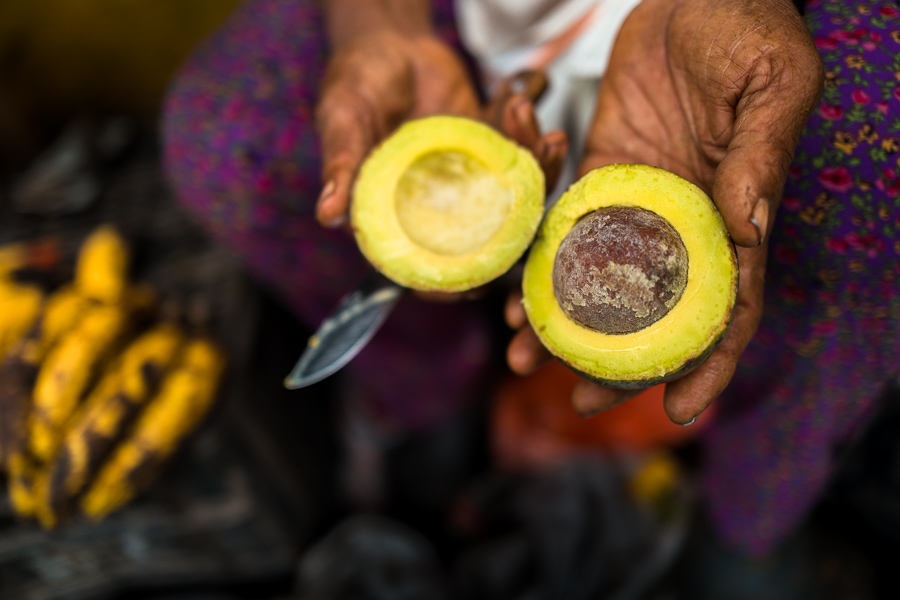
(717, 91)
(374, 83)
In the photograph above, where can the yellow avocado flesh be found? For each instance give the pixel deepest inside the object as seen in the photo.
(692, 327)
(450, 203)
(446, 204)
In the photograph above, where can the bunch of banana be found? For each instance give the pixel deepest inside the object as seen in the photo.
(91, 401)
(184, 398)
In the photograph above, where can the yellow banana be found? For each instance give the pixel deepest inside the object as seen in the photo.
(68, 370)
(184, 398)
(75, 360)
(101, 272)
(61, 313)
(19, 368)
(102, 419)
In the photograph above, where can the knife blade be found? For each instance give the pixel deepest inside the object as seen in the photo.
(346, 331)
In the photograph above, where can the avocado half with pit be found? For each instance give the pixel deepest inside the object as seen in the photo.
(446, 204)
(633, 277)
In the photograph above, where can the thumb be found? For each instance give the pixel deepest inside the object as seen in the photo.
(348, 132)
(769, 118)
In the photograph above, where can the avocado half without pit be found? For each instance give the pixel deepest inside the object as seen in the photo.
(446, 204)
(632, 278)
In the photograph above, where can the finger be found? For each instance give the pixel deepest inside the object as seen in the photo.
(519, 122)
(514, 312)
(588, 398)
(689, 396)
(348, 132)
(781, 92)
(526, 353)
(529, 84)
(550, 152)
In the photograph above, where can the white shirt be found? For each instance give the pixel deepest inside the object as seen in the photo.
(570, 39)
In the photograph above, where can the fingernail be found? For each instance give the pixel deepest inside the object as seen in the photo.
(760, 218)
(532, 84)
(691, 422)
(336, 222)
(327, 191)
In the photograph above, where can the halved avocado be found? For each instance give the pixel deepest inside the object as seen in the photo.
(633, 277)
(446, 204)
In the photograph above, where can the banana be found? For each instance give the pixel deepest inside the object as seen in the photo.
(101, 272)
(68, 370)
(104, 416)
(186, 395)
(60, 315)
(19, 368)
(18, 371)
(72, 364)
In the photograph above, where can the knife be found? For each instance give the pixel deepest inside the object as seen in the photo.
(346, 331)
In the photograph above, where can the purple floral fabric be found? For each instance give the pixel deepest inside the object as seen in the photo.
(830, 335)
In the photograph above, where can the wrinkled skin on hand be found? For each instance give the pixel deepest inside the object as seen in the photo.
(377, 81)
(718, 92)
(373, 84)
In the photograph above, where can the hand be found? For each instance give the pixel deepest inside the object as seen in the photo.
(374, 83)
(717, 91)
(377, 81)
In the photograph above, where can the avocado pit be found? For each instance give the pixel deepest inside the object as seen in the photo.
(619, 270)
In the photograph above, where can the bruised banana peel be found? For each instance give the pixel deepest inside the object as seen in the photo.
(18, 372)
(105, 415)
(185, 397)
(72, 364)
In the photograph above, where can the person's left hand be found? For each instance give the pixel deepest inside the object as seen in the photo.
(718, 92)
